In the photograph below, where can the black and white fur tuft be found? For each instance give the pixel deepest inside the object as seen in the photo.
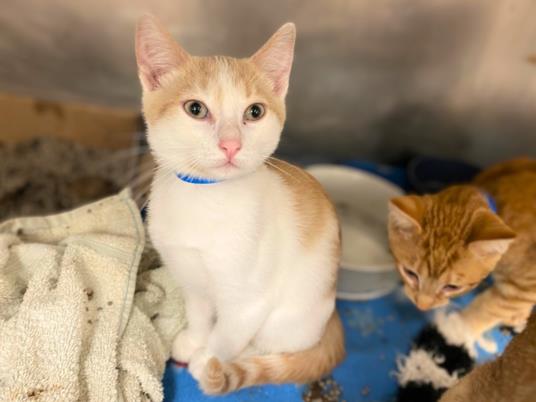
(441, 354)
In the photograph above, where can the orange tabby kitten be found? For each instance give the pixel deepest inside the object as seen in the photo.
(445, 244)
(511, 377)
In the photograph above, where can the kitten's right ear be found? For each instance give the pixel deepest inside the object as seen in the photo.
(489, 235)
(275, 57)
(405, 214)
(157, 53)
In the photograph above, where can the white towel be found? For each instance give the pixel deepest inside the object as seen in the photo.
(80, 318)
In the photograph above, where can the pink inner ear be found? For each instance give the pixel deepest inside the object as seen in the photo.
(150, 77)
(487, 248)
(281, 82)
(156, 52)
(275, 58)
(402, 222)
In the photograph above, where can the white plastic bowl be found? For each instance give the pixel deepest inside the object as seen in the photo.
(361, 201)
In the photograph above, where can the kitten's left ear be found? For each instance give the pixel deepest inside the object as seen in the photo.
(157, 53)
(489, 235)
(275, 58)
(405, 214)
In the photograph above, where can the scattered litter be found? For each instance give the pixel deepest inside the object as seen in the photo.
(89, 293)
(35, 393)
(365, 390)
(69, 175)
(325, 390)
(364, 321)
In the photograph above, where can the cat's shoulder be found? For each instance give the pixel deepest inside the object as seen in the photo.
(299, 181)
(313, 208)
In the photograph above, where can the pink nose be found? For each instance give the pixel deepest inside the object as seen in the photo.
(230, 147)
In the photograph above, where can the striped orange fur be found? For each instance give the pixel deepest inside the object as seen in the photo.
(451, 241)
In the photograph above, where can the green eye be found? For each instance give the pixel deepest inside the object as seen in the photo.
(254, 112)
(196, 109)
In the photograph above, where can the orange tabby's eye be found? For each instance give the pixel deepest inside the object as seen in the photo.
(451, 288)
(412, 275)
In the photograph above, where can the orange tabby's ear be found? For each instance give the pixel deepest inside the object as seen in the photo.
(156, 52)
(489, 235)
(405, 213)
(275, 58)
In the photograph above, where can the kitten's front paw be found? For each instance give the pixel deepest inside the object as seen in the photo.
(511, 331)
(198, 362)
(520, 327)
(517, 322)
(488, 345)
(184, 346)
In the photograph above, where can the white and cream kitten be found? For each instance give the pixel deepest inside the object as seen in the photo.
(253, 241)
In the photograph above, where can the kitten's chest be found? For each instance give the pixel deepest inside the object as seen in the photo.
(200, 217)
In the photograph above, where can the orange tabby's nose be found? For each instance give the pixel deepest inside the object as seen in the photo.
(424, 302)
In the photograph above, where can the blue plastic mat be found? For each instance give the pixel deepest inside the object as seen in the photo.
(377, 332)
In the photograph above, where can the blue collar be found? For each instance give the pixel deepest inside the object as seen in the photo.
(490, 200)
(195, 180)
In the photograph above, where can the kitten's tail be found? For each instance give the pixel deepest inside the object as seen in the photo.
(299, 367)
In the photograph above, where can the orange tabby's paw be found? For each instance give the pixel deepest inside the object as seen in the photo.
(518, 321)
(488, 345)
(213, 380)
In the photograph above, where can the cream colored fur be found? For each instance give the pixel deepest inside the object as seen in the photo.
(256, 254)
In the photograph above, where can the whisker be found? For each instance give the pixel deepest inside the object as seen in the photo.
(119, 156)
(279, 169)
(141, 179)
(299, 170)
(145, 171)
(139, 174)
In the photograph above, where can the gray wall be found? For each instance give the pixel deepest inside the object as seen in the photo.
(372, 78)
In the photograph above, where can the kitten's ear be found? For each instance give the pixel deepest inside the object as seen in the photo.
(489, 235)
(275, 58)
(405, 214)
(157, 53)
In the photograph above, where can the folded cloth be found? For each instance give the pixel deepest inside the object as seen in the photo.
(85, 313)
